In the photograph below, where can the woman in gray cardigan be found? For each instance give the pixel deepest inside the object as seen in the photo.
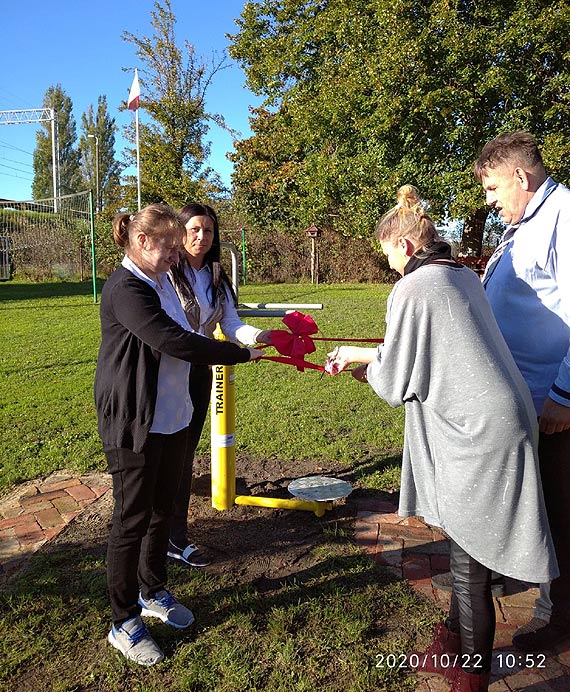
(469, 462)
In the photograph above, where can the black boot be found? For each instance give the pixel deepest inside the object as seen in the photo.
(546, 637)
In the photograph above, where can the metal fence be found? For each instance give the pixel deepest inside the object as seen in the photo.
(5, 259)
(40, 244)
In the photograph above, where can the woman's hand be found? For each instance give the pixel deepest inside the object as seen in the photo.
(338, 360)
(554, 418)
(254, 353)
(264, 337)
(342, 356)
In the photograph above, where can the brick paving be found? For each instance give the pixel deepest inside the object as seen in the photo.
(37, 511)
(415, 551)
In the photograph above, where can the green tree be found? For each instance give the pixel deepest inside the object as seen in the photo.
(70, 179)
(174, 83)
(362, 96)
(98, 157)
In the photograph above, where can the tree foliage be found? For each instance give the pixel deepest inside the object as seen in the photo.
(174, 82)
(98, 156)
(362, 96)
(70, 180)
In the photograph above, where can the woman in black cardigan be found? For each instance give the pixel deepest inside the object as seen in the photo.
(144, 409)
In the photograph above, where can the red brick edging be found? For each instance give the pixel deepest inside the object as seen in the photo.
(37, 511)
(414, 551)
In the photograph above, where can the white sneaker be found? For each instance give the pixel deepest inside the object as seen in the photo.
(165, 607)
(133, 640)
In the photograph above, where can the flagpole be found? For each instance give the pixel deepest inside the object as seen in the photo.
(133, 105)
(138, 160)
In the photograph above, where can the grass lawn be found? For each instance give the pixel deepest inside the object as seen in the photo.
(321, 628)
(49, 336)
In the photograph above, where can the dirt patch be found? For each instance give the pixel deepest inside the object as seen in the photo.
(247, 544)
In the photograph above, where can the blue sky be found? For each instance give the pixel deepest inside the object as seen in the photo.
(77, 43)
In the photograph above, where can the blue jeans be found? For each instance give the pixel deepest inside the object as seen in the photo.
(543, 604)
(144, 487)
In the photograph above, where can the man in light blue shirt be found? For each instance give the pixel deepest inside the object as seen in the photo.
(528, 285)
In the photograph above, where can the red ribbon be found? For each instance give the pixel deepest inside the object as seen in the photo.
(297, 342)
(299, 363)
(364, 341)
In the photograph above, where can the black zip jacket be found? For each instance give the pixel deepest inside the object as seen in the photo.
(135, 330)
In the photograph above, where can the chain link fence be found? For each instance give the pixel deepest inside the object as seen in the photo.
(279, 257)
(37, 243)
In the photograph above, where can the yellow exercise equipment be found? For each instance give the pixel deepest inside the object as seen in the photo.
(224, 452)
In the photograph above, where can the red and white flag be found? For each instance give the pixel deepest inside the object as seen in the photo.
(134, 94)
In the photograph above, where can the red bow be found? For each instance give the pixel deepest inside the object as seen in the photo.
(296, 343)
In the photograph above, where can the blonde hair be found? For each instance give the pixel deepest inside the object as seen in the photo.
(154, 221)
(408, 219)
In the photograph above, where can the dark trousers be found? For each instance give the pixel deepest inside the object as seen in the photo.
(554, 457)
(471, 613)
(144, 487)
(200, 384)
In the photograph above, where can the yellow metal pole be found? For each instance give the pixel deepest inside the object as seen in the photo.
(223, 464)
(310, 505)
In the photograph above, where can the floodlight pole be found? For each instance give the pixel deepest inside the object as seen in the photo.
(55, 160)
(92, 231)
(39, 115)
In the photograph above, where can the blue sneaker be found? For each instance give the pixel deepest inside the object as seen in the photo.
(133, 640)
(164, 606)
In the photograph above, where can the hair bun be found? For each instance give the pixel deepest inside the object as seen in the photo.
(408, 197)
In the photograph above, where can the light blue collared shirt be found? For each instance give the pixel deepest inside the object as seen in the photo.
(529, 291)
(173, 409)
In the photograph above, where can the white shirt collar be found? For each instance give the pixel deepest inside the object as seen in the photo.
(132, 267)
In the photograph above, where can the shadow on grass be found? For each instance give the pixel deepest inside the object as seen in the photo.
(75, 569)
(22, 290)
(278, 575)
(333, 576)
(65, 586)
(60, 597)
(36, 291)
